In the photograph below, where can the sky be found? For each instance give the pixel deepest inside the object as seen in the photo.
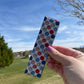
(21, 20)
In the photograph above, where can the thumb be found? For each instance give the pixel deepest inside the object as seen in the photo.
(56, 55)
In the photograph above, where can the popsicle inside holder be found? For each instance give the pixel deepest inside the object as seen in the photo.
(39, 54)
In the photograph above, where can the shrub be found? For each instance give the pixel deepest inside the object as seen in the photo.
(6, 53)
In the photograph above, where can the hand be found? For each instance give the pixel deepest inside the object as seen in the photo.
(68, 63)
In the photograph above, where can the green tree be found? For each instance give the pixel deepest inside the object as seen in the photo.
(6, 53)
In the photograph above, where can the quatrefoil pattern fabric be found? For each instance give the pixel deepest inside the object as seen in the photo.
(39, 54)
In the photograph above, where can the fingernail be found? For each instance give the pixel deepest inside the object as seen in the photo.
(49, 48)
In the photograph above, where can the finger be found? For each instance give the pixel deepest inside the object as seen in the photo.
(56, 68)
(67, 51)
(51, 60)
(56, 55)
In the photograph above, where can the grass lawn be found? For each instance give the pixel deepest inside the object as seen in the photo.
(14, 74)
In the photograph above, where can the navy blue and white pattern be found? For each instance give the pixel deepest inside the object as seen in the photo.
(39, 54)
